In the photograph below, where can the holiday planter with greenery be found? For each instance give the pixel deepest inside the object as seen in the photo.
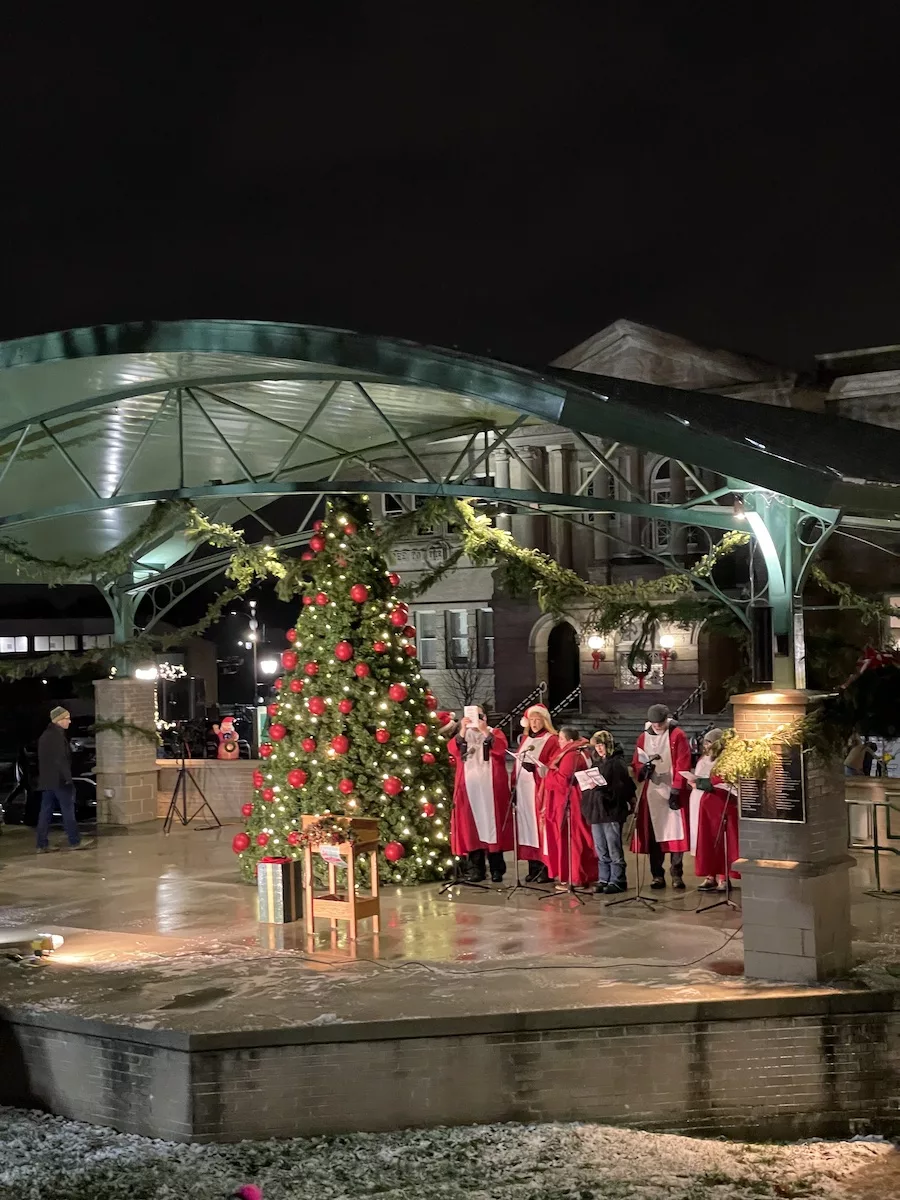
(354, 730)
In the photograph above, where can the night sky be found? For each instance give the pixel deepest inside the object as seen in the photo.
(507, 179)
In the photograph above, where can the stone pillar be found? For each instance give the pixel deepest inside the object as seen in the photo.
(677, 495)
(500, 471)
(630, 527)
(794, 876)
(558, 480)
(527, 529)
(126, 763)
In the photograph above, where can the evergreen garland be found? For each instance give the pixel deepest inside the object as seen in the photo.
(123, 727)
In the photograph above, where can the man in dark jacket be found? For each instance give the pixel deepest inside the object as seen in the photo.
(55, 781)
(606, 809)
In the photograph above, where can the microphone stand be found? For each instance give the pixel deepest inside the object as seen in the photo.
(647, 901)
(722, 836)
(513, 811)
(569, 889)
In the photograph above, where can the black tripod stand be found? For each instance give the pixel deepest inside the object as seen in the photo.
(513, 813)
(184, 774)
(569, 889)
(722, 836)
(459, 880)
(639, 897)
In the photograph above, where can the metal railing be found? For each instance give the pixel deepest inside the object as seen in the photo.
(507, 722)
(696, 695)
(568, 702)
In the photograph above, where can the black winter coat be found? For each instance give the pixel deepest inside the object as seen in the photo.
(54, 759)
(614, 801)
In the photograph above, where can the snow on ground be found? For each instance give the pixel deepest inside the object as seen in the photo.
(43, 1157)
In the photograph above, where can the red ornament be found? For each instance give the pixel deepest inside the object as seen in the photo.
(272, 710)
(382, 737)
(268, 795)
(293, 838)
(317, 525)
(394, 851)
(262, 839)
(258, 779)
(247, 810)
(346, 786)
(265, 750)
(428, 809)
(306, 556)
(349, 529)
(340, 744)
(398, 692)
(410, 650)
(421, 730)
(297, 777)
(345, 706)
(392, 785)
(289, 659)
(431, 703)
(321, 599)
(311, 668)
(279, 684)
(379, 647)
(341, 562)
(398, 617)
(317, 544)
(428, 758)
(362, 670)
(394, 579)
(307, 600)
(240, 842)
(296, 685)
(343, 651)
(309, 745)
(409, 631)
(359, 593)
(316, 705)
(277, 731)
(291, 635)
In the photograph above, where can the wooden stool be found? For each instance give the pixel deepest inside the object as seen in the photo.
(332, 904)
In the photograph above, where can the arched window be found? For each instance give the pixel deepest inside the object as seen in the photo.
(658, 535)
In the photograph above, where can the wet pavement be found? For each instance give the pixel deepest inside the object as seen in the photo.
(160, 933)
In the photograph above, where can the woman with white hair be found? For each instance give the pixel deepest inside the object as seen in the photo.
(714, 818)
(537, 747)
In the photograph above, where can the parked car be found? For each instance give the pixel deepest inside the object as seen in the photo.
(20, 799)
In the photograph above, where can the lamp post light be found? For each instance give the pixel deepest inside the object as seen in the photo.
(595, 645)
(666, 643)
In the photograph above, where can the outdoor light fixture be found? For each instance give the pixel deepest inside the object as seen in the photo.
(149, 673)
(595, 645)
(737, 509)
(268, 666)
(666, 643)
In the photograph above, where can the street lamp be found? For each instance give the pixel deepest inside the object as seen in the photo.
(268, 666)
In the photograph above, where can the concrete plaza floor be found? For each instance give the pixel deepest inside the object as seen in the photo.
(160, 934)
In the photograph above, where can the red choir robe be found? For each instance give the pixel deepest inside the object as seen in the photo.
(558, 784)
(708, 840)
(543, 747)
(670, 828)
(480, 819)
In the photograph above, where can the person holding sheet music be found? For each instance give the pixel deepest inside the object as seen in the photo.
(606, 807)
(714, 818)
(478, 824)
(566, 835)
(537, 747)
(661, 755)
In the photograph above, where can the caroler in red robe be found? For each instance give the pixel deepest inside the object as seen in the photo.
(662, 752)
(537, 747)
(559, 821)
(714, 841)
(479, 823)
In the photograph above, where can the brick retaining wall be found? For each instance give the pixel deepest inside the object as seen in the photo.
(226, 785)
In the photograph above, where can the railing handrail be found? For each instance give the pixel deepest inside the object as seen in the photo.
(566, 701)
(536, 693)
(697, 694)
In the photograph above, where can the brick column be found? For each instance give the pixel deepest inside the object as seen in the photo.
(126, 764)
(795, 885)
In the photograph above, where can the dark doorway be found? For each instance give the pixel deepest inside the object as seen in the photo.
(563, 670)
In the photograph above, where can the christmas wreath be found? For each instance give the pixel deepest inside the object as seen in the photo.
(639, 663)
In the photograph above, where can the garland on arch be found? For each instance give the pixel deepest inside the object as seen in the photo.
(123, 727)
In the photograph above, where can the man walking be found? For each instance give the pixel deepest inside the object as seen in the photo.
(56, 783)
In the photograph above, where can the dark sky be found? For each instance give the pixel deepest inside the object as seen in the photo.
(505, 178)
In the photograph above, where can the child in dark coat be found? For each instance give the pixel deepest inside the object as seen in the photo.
(606, 809)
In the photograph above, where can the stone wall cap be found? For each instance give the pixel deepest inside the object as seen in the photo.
(803, 870)
(779, 696)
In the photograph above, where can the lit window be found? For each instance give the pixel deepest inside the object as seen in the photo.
(426, 637)
(485, 624)
(457, 636)
(13, 645)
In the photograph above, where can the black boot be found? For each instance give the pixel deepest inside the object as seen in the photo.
(498, 866)
(475, 868)
(535, 866)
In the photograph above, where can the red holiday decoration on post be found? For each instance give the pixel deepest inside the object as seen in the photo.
(359, 593)
(277, 731)
(421, 730)
(379, 647)
(394, 851)
(294, 838)
(392, 785)
(345, 706)
(428, 758)
(262, 839)
(394, 579)
(247, 810)
(289, 659)
(398, 692)
(272, 710)
(258, 779)
(268, 795)
(340, 744)
(309, 745)
(265, 750)
(321, 599)
(310, 669)
(346, 786)
(343, 651)
(240, 842)
(317, 544)
(296, 685)
(291, 635)
(316, 705)
(428, 809)
(297, 777)
(382, 736)
(362, 670)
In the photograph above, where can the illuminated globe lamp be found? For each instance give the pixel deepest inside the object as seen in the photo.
(595, 645)
(667, 654)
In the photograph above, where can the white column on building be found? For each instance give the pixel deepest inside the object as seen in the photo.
(559, 480)
(630, 527)
(678, 495)
(500, 472)
(527, 529)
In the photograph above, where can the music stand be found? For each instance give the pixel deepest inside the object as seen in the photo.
(185, 773)
(723, 836)
(458, 881)
(639, 897)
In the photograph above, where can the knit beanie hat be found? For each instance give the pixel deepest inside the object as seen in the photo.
(56, 714)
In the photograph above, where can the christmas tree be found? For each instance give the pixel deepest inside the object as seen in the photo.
(354, 730)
